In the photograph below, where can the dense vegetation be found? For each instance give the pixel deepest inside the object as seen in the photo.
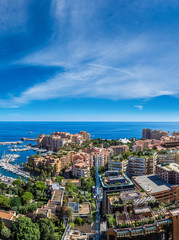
(98, 142)
(25, 197)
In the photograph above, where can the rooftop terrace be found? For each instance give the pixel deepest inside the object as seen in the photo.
(170, 167)
(114, 178)
(152, 183)
(7, 215)
(128, 197)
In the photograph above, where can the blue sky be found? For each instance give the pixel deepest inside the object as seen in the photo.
(113, 60)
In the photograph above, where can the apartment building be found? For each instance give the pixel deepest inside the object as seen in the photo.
(48, 161)
(175, 134)
(81, 169)
(66, 160)
(137, 147)
(128, 201)
(113, 182)
(148, 133)
(81, 165)
(138, 166)
(54, 205)
(103, 155)
(166, 158)
(119, 149)
(155, 186)
(85, 135)
(169, 172)
(54, 163)
(59, 139)
(35, 160)
(77, 139)
(117, 164)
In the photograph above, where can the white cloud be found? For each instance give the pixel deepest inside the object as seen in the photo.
(140, 107)
(92, 82)
(97, 65)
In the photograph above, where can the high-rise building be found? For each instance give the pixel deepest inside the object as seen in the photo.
(169, 172)
(148, 133)
(138, 166)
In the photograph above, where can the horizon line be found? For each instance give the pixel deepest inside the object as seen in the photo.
(89, 121)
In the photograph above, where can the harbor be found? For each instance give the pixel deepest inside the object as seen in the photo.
(14, 154)
(16, 169)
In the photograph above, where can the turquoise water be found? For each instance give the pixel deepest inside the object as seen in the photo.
(14, 131)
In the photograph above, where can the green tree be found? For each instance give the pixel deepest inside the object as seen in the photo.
(111, 220)
(82, 199)
(4, 202)
(79, 221)
(15, 190)
(24, 229)
(72, 225)
(93, 206)
(46, 228)
(3, 186)
(69, 212)
(27, 197)
(126, 154)
(2, 226)
(59, 179)
(17, 182)
(39, 194)
(21, 191)
(5, 233)
(32, 207)
(70, 186)
(40, 185)
(16, 202)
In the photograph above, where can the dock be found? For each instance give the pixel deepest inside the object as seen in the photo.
(11, 143)
(14, 169)
(28, 139)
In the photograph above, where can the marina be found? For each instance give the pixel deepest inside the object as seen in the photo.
(12, 156)
(9, 157)
(23, 148)
(16, 154)
(26, 148)
(16, 169)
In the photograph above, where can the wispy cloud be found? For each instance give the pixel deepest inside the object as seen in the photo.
(140, 107)
(100, 62)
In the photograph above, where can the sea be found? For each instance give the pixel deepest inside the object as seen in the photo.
(14, 131)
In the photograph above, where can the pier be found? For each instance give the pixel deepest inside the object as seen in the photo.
(11, 143)
(28, 139)
(14, 169)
